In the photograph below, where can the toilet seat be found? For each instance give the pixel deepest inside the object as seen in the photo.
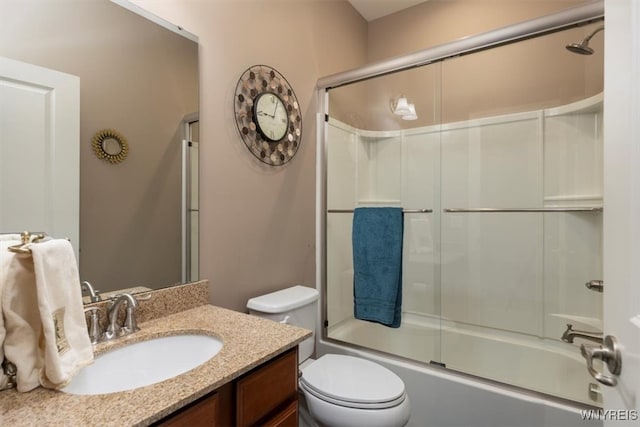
(352, 382)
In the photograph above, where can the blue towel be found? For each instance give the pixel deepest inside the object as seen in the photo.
(377, 265)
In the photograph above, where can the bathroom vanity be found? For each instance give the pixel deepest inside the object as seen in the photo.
(252, 380)
(266, 396)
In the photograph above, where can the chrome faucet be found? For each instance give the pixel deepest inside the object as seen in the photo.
(130, 324)
(570, 333)
(94, 295)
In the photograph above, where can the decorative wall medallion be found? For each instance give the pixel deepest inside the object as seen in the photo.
(110, 145)
(268, 115)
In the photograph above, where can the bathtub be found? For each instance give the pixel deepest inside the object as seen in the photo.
(443, 398)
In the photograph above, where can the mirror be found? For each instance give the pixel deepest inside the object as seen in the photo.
(139, 98)
(109, 145)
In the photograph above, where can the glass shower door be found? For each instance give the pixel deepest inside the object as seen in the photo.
(522, 212)
(507, 153)
(375, 158)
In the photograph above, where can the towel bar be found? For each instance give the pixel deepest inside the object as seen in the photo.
(403, 211)
(485, 210)
(26, 238)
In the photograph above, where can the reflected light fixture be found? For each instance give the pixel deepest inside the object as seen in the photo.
(401, 107)
(412, 113)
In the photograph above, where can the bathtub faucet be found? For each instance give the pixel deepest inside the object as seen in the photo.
(570, 334)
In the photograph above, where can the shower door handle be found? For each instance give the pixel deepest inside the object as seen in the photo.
(610, 354)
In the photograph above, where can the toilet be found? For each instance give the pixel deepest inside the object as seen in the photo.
(340, 391)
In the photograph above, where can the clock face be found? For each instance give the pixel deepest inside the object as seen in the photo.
(268, 115)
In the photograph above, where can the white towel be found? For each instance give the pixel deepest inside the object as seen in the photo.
(67, 347)
(4, 237)
(22, 324)
(5, 242)
(3, 268)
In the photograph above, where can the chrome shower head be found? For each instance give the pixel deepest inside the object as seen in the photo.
(582, 48)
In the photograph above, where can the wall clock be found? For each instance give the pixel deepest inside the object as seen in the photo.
(268, 115)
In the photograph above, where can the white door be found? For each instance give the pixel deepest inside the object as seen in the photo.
(39, 150)
(622, 205)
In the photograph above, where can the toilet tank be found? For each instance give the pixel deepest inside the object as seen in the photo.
(295, 306)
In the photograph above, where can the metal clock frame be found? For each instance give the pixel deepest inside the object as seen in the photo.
(253, 83)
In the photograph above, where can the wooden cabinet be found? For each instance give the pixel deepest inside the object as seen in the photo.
(266, 396)
(265, 389)
(200, 413)
(214, 409)
(287, 417)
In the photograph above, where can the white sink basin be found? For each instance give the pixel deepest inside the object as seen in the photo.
(144, 363)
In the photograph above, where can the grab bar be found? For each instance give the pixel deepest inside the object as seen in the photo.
(403, 210)
(486, 210)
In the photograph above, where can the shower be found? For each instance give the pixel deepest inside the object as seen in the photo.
(502, 213)
(582, 48)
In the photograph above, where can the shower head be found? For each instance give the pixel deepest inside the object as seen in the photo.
(582, 47)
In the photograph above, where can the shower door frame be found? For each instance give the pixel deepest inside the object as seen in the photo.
(186, 200)
(574, 17)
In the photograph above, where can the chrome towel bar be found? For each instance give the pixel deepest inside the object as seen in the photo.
(488, 210)
(403, 211)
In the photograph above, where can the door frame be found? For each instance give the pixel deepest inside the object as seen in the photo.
(621, 219)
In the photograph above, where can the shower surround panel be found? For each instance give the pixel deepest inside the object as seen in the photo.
(513, 279)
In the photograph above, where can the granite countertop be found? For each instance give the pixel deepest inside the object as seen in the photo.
(248, 342)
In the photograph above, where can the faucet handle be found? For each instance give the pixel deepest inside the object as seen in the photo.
(9, 369)
(94, 324)
(147, 297)
(130, 324)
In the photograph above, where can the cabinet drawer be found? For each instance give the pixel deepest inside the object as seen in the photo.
(200, 413)
(267, 388)
(288, 417)
(213, 410)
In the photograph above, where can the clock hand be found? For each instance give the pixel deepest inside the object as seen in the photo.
(262, 113)
(274, 110)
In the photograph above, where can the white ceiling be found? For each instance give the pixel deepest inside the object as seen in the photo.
(374, 9)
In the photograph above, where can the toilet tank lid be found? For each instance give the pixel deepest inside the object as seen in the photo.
(283, 300)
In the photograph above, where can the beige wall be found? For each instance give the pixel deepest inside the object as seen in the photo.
(438, 21)
(140, 80)
(257, 229)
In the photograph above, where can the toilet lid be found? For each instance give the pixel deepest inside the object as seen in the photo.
(353, 381)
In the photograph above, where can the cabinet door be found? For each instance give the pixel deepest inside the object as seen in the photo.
(262, 393)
